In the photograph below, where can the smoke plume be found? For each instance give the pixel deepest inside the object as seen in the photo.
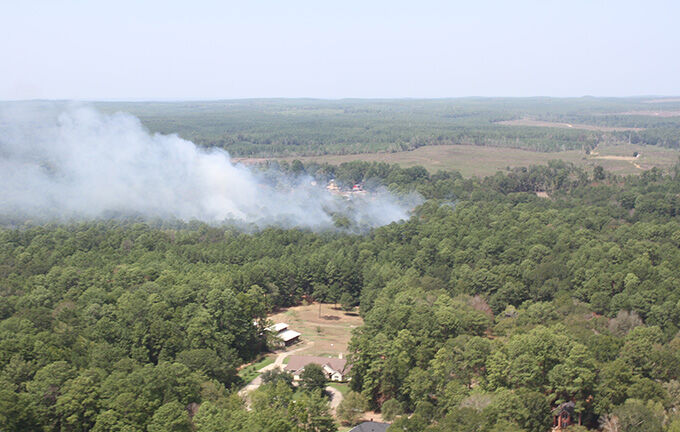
(73, 162)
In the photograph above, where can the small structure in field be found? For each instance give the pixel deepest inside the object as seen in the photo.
(563, 415)
(286, 335)
(356, 190)
(336, 369)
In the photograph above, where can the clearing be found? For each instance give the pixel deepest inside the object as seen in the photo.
(326, 331)
(482, 161)
(650, 113)
(663, 100)
(540, 123)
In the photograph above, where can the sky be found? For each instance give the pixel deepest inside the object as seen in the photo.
(202, 49)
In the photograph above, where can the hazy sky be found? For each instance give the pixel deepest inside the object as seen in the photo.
(221, 49)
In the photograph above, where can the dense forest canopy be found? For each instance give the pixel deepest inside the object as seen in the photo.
(485, 310)
(270, 127)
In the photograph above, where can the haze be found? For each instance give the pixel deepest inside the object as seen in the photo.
(211, 49)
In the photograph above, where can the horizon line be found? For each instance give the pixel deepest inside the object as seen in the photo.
(311, 98)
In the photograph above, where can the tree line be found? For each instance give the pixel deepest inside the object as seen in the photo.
(485, 310)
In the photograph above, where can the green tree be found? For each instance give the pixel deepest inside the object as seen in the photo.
(170, 417)
(310, 413)
(351, 408)
(634, 416)
(80, 401)
(391, 408)
(313, 378)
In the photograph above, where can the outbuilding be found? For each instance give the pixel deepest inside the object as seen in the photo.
(285, 334)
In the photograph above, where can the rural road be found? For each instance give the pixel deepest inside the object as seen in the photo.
(278, 363)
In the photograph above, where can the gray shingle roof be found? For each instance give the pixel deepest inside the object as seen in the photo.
(298, 362)
(370, 427)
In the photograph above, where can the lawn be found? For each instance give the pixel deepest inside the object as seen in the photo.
(250, 372)
(342, 387)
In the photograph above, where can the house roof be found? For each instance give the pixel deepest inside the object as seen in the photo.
(288, 335)
(569, 407)
(370, 427)
(298, 362)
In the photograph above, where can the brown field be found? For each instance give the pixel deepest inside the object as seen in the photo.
(325, 335)
(539, 123)
(483, 161)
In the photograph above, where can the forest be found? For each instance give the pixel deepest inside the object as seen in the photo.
(278, 127)
(484, 311)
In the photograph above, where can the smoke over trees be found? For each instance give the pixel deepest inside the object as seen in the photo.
(76, 163)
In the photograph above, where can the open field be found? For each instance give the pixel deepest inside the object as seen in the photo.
(650, 113)
(482, 161)
(662, 100)
(539, 123)
(295, 127)
(325, 335)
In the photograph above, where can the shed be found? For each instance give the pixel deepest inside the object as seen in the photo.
(289, 337)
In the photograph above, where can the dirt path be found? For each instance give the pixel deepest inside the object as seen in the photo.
(632, 159)
(278, 363)
(336, 397)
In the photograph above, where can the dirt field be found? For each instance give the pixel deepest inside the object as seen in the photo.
(538, 123)
(483, 161)
(327, 335)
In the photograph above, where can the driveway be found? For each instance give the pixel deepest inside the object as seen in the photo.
(336, 398)
(278, 363)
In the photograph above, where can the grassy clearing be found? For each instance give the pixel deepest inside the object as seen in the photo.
(484, 161)
(250, 372)
(325, 329)
(342, 387)
(540, 123)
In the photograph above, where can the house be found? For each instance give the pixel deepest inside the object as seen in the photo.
(336, 369)
(370, 426)
(563, 415)
(332, 187)
(286, 335)
(356, 190)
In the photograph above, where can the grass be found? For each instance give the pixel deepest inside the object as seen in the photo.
(342, 387)
(482, 161)
(539, 123)
(325, 330)
(250, 372)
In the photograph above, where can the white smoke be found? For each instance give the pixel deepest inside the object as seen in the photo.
(60, 163)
